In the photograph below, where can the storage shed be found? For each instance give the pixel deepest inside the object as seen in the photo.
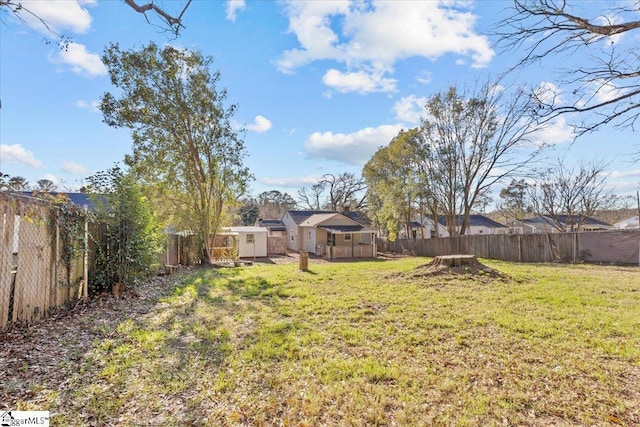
(252, 240)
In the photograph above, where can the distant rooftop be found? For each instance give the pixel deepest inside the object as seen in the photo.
(474, 220)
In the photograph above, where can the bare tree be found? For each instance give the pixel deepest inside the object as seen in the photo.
(565, 196)
(473, 140)
(172, 23)
(335, 192)
(309, 197)
(605, 85)
(346, 191)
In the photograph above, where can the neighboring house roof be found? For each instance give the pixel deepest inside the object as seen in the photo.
(301, 216)
(79, 199)
(628, 223)
(357, 217)
(271, 224)
(246, 229)
(318, 219)
(565, 219)
(417, 224)
(474, 221)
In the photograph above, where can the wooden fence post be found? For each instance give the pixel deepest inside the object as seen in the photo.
(304, 261)
(85, 273)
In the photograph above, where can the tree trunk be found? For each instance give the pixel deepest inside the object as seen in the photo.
(454, 260)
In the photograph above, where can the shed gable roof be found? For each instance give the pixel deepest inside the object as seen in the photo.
(271, 224)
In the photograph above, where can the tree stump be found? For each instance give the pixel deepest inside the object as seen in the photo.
(454, 260)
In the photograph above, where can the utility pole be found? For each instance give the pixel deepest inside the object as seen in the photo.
(638, 197)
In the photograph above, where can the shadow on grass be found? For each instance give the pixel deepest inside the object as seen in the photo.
(183, 344)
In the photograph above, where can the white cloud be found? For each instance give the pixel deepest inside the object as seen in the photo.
(260, 125)
(605, 91)
(233, 6)
(354, 148)
(372, 36)
(359, 81)
(290, 182)
(91, 106)
(624, 187)
(73, 168)
(17, 154)
(410, 108)
(59, 15)
(81, 61)
(625, 174)
(425, 77)
(555, 132)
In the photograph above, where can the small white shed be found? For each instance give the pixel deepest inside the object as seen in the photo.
(252, 241)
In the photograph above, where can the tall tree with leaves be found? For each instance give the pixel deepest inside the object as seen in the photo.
(248, 211)
(18, 183)
(515, 203)
(45, 185)
(128, 249)
(184, 147)
(396, 181)
(273, 204)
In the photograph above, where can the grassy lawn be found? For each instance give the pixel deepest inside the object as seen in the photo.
(368, 343)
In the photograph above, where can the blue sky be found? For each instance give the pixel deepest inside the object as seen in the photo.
(320, 85)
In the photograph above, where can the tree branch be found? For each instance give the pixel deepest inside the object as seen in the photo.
(175, 23)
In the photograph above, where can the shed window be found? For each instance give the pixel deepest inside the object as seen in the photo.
(331, 239)
(250, 238)
(293, 237)
(347, 236)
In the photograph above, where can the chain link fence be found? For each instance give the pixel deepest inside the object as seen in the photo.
(43, 257)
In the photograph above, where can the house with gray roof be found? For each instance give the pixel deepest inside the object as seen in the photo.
(330, 234)
(479, 224)
(632, 222)
(561, 223)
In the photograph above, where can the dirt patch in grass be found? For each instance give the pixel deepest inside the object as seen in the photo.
(477, 273)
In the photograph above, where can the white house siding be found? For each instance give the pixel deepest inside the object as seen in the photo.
(249, 250)
(292, 232)
(474, 229)
(309, 239)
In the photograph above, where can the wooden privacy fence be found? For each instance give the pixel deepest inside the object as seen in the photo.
(614, 247)
(38, 270)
